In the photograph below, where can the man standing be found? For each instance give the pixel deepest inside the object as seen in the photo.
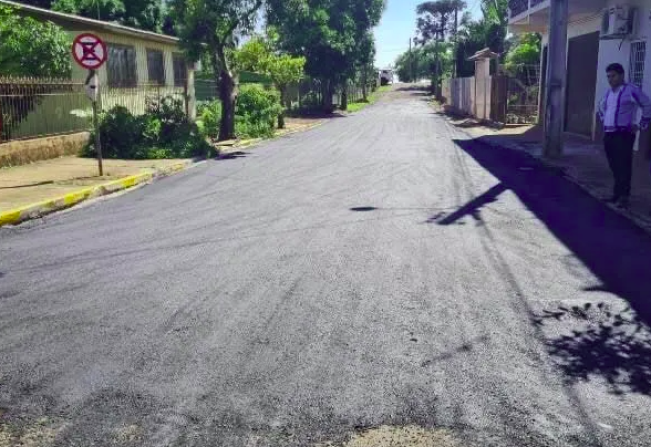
(618, 113)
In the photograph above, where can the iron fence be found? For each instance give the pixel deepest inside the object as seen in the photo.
(523, 89)
(37, 107)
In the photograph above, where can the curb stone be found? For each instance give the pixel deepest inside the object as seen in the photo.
(40, 209)
(244, 144)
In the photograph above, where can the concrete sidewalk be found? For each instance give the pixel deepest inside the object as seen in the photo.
(25, 185)
(584, 162)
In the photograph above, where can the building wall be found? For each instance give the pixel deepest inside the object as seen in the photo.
(611, 51)
(141, 46)
(65, 113)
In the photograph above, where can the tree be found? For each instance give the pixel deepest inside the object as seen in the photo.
(421, 61)
(329, 33)
(106, 10)
(525, 50)
(32, 48)
(38, 3)
(211, 28)
(489, 31)
(283, 69)
(437, 21)
(148, 15)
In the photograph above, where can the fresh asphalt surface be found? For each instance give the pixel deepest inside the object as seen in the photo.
(380, 269)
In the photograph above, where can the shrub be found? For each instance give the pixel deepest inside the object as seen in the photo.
(162, 132)
(210, 116)
(256, 111)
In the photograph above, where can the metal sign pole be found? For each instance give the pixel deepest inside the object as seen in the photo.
(92, 82)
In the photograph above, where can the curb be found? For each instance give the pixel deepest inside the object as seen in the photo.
(243, 144)
(40, 209)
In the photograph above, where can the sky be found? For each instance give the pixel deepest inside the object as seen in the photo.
(398, 27)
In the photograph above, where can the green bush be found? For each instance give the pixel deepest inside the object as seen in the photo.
(162, 132)
(256, 111)
(210, 116)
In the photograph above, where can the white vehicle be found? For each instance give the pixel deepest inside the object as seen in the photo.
(386, 77)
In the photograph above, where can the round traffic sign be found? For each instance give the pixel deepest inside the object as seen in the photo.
(89, 51)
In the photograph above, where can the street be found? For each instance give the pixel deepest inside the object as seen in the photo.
(380, 270)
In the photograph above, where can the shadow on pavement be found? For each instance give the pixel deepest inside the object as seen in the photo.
(617, 252)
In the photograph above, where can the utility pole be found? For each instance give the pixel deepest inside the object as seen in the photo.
(554, 119)
(411, 61)
(456, 42)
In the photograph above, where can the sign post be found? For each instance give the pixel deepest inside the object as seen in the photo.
(90, 53)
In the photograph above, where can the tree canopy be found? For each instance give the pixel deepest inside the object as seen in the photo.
(149, 15)
(331, 34)
(32, 48)
(211, 29)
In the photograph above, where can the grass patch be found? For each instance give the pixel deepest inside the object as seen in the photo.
(357, 106)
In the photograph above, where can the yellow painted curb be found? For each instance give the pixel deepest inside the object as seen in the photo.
(36, 210)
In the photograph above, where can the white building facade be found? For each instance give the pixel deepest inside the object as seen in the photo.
(600, 32)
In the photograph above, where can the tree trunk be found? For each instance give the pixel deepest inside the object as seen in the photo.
(283, 103)
(344, 96)
(227, 94)
(365, 85)
(326, 100)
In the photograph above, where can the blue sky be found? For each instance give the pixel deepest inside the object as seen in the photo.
(398, 26)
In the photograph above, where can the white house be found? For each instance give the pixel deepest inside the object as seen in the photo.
(600, 32)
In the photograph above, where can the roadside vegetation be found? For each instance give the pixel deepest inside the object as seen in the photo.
(372, 99)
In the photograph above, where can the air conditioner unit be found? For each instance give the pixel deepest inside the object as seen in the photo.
(618, 22)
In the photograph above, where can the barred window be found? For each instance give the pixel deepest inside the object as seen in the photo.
(180, 70)
(121, 66)
(156, 67)
(638, 56)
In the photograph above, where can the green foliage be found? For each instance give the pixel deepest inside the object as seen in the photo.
(209, 30)
(257, 111)
(436, 19)
(525, 51)
(330, 34)
(143, 14)
(421, 62)
(257, 56)
(210, 115)
(32, 48)
(162, 132)
(489, 31)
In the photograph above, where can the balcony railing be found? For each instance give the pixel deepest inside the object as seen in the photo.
(517, 7)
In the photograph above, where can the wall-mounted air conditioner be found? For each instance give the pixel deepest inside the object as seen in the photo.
(618, 22)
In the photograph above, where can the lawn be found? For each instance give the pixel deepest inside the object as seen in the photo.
(357, 106)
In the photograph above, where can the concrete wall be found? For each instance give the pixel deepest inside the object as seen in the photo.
(18, 153)
(469, 96)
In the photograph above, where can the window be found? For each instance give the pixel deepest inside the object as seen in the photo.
(121, 66)
(180, 70)
(638, 56)
(156, 67)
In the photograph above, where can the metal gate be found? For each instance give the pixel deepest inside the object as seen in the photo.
(522, 94)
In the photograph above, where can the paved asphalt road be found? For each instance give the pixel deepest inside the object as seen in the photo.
(382, 269)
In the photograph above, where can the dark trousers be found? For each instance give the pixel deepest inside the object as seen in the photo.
(619, 150)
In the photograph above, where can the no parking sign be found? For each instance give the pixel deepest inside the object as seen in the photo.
(89, 51)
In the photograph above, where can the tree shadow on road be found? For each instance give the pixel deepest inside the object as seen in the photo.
(615, 250)
(612, 345)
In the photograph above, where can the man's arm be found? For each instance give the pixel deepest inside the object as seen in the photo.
(601, 110)
(645, 104)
